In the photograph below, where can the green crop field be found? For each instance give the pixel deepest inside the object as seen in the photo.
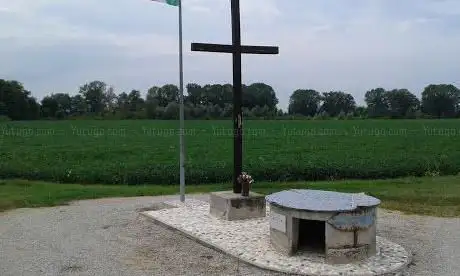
(142, 151)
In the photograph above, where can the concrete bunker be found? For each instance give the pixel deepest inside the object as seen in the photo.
(339, 226)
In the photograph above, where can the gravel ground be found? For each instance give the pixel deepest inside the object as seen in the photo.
(109, 237)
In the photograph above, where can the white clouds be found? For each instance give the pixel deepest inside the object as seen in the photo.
(266, 10)
(415, 24)
(23, 6)
(30, 27)
(200, 9)
(442, 7)
(51, 31)
(351, 45)
(261, 9)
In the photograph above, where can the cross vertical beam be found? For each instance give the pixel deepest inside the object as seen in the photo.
(236, 49)
(237, 96)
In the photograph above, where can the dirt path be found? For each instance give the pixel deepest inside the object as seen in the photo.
(109, 237)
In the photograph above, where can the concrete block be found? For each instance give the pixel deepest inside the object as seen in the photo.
(230, 206)
(281, 242)
(336, 238)
(286, 242)
(284, 239)
(293, 228)
(368, 237)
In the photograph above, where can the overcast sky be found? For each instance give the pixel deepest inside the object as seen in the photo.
(55, 45)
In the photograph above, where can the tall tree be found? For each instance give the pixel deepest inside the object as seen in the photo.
(259, 94)
(402, 103)
(165, 94)
(172, 92)
(212, 94)
(33, 109)
(440, 100)
(123, 103)
(49, 107)
(56, 105)
(135, 101)
(110, 100)
(194, 92)
(360, 112)
(337, 102)
(78, 106)
(151, 102)
(227, 94)
(3, 109)
(94, 93)
(377, 103)
(304, 102)
(17, 102)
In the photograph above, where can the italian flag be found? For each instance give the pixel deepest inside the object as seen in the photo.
(169, 2)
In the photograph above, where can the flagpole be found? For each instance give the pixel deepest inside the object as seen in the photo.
(181, 110)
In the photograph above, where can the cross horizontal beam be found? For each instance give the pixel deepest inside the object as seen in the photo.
(223, 48)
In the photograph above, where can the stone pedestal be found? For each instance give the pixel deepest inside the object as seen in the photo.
(230, 206)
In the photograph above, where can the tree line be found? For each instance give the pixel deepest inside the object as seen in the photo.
(97, 100)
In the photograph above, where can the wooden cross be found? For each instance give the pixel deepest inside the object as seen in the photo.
(236, 49)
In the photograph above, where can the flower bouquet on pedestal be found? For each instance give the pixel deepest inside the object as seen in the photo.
(245, 180)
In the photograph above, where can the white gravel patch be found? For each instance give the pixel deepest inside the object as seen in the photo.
(109, 237)
(249, 240)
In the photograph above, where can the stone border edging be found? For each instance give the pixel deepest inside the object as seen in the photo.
(399, 271)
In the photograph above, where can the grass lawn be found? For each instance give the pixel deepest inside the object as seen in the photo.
(437, 196)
